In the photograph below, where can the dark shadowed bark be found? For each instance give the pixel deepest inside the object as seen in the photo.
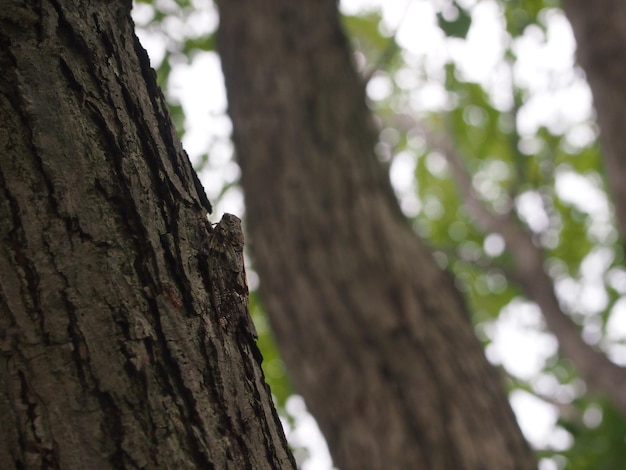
(111, 354)
(374, 334)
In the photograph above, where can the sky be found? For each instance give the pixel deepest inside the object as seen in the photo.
(559, 99)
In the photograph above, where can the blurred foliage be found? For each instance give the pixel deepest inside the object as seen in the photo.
(506, 166)
(520, 14)
(379, 50)
(273, 366)
(454, 21)
(598, 436)
(365, 33)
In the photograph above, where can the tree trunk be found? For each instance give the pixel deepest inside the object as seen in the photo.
(112, 354)
(374, 334)
(601, 51)
(600, 33)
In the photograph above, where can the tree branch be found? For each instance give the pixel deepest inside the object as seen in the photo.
(603, 377)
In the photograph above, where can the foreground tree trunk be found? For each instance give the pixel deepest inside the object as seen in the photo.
(374, 334)
(112, 355)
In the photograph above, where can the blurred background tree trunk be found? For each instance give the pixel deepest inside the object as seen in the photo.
(111, 355)
(375, 335)
(601, 37)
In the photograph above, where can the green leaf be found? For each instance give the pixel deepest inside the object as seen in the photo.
(599, 437)
(202, 43)
(273, 366)
(459, 25)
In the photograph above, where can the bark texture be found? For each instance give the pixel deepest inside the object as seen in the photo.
(374, 334)
(110, 353)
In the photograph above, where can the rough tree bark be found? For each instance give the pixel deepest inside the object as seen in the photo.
(111, 352)
(374, 334)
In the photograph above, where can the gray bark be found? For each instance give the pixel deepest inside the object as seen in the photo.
(111, 355)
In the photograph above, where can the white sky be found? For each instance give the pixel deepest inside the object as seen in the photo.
(559, 100)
